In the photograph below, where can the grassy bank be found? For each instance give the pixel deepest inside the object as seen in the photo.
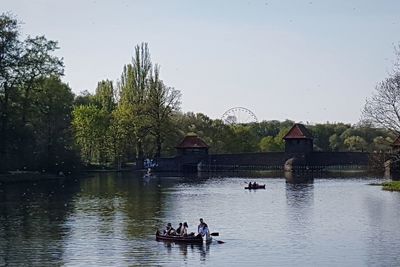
(391, 186)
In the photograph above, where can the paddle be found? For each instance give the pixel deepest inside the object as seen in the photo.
(217, 234)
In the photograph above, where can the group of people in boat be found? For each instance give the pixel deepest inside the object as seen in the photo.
(182, 230)
(254, 185)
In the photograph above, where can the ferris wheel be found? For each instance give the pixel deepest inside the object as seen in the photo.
(238, 115)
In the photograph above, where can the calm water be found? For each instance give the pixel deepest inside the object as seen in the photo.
(110, 220)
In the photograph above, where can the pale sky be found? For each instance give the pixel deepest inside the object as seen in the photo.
(311, 61)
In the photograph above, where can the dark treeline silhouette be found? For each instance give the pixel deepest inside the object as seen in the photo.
(35, 106)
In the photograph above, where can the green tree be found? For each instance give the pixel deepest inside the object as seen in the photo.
(10, 54)
(355, 143)
(23, 65)
(335, 142)
(51, 122)
(104, 97)
(37, 62)
(162, 102)
(268, 144)
(382, 144)
(134, 92)
(90, 127)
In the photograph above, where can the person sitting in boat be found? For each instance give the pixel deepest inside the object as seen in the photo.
(255, 184)
(250, 185)
(169, 230)
(184, 229)
(179, 229)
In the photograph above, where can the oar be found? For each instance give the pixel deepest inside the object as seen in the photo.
(217, 234)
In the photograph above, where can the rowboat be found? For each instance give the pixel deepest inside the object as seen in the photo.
(198, 239)
(255, 187)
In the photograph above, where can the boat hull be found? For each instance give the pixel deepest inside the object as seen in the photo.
(181, 239)
(258, 187)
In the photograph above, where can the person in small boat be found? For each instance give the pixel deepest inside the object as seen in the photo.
(169, 230)
(203, 228)
(255, 184)
(179, 229)
(250, 185)
(184, 229)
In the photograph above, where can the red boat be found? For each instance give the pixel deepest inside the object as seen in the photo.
(198, 239)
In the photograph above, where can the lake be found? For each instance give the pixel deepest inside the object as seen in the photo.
(110, 219)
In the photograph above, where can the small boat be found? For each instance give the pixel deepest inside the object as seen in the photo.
(198, 239)
(255, 187)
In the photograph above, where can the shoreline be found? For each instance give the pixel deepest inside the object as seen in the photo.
(392, 186)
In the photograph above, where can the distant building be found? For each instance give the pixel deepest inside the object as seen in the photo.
(192, 145)
(193, 156)
(298, 140)
(191, 152)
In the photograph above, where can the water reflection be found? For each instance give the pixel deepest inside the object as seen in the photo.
(111, 219)
(383, 234)
(186, 250)
(32, 217)
(300, 203)
(295, 177)
(300, 195)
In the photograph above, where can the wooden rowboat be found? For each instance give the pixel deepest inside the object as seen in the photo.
(256, 187)
(198, 239)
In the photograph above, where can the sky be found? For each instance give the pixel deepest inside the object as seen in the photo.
(308, 61)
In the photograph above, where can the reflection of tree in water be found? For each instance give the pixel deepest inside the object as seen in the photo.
(300, 201)
(122, 209)
(112, 216)
(383, 234)
(31, 218)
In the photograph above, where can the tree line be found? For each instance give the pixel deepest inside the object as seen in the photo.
(44, 126)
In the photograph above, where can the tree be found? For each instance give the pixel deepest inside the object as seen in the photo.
(84, 98)
(10, 54)
(37, 62)
(23, 65)
(134, 92)
(162, 102)
(268, 144)
(355, 143)
(104, 97)
(90, 127)
(335, 142)
(51, 121)
(382, 144)
(383, 108)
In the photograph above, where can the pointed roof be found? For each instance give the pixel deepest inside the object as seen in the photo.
(396, 142)
(298, 131)
(192, 141)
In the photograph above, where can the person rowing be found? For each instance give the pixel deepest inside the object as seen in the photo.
(203, 229)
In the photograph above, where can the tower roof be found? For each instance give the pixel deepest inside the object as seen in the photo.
(192, 141)
(298, 131)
